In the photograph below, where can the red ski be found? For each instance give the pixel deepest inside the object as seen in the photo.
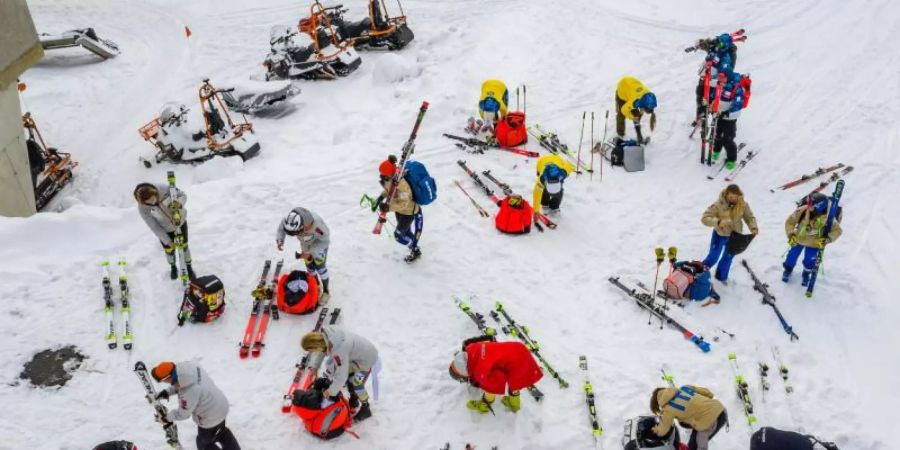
(714, 109)
(803, 179)
(254, 312)
(268, 309)
(308, 366)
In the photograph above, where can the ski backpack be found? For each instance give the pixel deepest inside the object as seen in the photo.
(298, 292)
(511, 131)
(639, 435)
(204, 298)
(514, 216)
(688, 281)
(424, 189)
(324, 423)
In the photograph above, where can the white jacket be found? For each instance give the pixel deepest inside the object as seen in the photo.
(349, 353)
(198, 396)
(158, 216)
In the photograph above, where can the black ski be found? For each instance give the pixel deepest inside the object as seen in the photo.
(159, 410)
(769, 299)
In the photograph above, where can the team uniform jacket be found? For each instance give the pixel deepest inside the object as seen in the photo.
(497, 367)
(542, 163)
(315, 241)
(690, 405)
(198, 397)
(350, 353)
(738, 214)
(809, 229)
(403, 202)
(158, 217)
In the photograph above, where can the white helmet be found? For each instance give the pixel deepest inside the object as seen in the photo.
(295, 220)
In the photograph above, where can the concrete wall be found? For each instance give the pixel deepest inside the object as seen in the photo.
(19, 51)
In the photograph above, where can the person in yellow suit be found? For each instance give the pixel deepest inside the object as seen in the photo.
(552, 170)
(633, 100)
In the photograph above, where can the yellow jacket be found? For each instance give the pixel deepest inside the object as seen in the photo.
(542, 163)
(809, 228)
(630, 89)
(691, 405)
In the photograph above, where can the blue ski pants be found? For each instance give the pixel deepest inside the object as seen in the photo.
(718, 253)
(809, 257)
(409, 229)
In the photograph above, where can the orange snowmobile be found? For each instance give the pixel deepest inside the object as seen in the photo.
(51, 169)
(378, 30)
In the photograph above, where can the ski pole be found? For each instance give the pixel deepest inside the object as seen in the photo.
(660, 257)
(524, 99)
(605, 127)
(672, 254)
(578, 164)
(592, 146)
(517, 98)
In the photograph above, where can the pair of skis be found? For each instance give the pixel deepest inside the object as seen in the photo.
(806, 177)
(737, 36)
(308, 366)
(742, 388)
(481, 210)
(836, 176)
(475, 145)
(741, 165)
(481, 323)
(520, 332)
(407, 150)
(769, 299)
(109, 307)
(509, 192)
(645, 301)
(263, 308)
(550, 141)
(714, 173)
(159, 411)
(541, 218)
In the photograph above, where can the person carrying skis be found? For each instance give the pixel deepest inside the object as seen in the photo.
(198, 398)
(768, 438)
(404, 206)
(804, 229)
(552, 171)
(351, 359)
(633, 100)
(726, 216)
(158, 209)
(734, 98)
(721, 55)
(497, 368)
(691, 406)
(314, 237)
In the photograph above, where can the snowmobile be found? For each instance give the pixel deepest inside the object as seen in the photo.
(378, 30)
(171, 134)
(328, 56)
(51, 169)
(258, 98)
(85, 37)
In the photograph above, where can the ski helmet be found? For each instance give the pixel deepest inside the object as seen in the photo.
(295, 220)
(163, 370)
(553, 173)
(725, 41)
(647, 101)
(459, 367)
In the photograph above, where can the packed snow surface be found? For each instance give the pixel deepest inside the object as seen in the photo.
(825, 91)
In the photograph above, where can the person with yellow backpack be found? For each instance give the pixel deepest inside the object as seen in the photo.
(552, 171)
(494, 102)
(633, 100)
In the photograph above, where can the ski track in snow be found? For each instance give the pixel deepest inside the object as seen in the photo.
(825, 91)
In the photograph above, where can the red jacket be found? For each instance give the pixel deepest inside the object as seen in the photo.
(496, 366)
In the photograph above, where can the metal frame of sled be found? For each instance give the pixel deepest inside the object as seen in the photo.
(85, 37)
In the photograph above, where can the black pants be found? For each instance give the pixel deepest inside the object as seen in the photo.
(218, 437)
(720, 423)
(700, 97)
(184, 232)
(551, 201)
(726, 130)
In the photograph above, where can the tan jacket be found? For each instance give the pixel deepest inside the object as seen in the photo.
(403, 202)
(809, 229)
(691, 405)
(737, 214)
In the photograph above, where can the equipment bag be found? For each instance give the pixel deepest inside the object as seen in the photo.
(511, 131)
(639, 435)
(738, 242)
(325, 423)
(205, 298)
(689, 280)
(424, 189)
(298, 292)
(515, 216)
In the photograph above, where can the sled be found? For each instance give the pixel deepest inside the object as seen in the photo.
(51, 169)
(377, 31)
(258, 98)
(220, 135)
(83, 37)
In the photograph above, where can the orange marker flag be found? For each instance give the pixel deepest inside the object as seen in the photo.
(187, 31)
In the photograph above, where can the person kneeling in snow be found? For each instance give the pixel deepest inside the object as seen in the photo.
(498, 368)
(352, 358)
(552, 171)
(768, 438)
(199, 398)
(314, 239)
(693, 407)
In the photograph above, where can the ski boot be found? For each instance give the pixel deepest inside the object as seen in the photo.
(715, 156)
(173, 271)
(362, 413)
(729, 165)
(512, 402)
(323, 299)
(482, 406)
(807, 274)
(190, 271)
(414, 254)
(786, 275)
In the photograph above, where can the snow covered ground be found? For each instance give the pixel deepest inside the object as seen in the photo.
(825, 91)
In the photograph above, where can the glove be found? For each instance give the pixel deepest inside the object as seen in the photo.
(792, 240)
(170, 247)
(279, 245)
(321, 384)
(164, 420)
(298, 255)
(162, 395)
(821, 242)
(175, 204)
(384, 206)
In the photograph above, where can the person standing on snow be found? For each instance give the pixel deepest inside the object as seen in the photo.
(633, 100)
(552, 171)
(804, 229)
(352, 358)
(734, 99)
(314, 239)
(497, 368)
(404, 206)
(726, 216)
(691, 406)
(164, 215)
(721, 54)
(768, 438)
(198, 398)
